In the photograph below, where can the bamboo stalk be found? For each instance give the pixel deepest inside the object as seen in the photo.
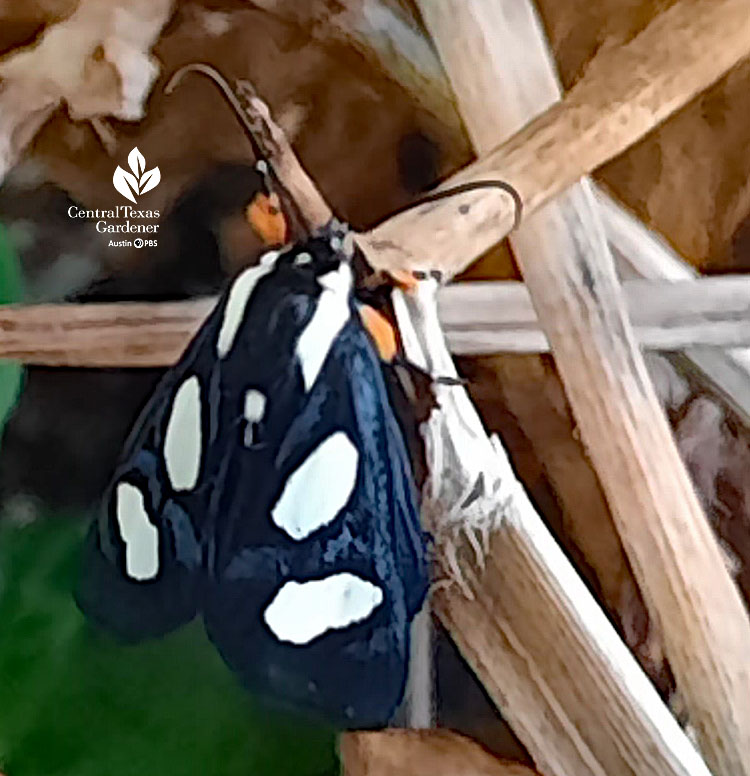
(477, 318)
(570, 275)
(624, 94)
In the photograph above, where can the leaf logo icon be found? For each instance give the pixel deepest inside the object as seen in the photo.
(137, 182)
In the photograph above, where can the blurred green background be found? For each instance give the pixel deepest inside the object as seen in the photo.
(74, 703)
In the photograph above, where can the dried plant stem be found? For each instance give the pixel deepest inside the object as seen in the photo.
(477, 318)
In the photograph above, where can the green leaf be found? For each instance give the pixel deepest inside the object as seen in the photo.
(11, 290)
(74, 703)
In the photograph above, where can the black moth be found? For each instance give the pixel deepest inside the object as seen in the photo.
(267, 487)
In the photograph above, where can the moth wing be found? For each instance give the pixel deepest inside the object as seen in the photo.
(296, 533)
(148, 553)
(324, 564)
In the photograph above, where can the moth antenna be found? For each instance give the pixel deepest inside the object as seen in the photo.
(229, 94)
(262, 164)
(462, 188)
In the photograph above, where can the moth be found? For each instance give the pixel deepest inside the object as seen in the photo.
(267, 488)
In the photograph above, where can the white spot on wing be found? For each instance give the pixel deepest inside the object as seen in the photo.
(182, 442)
(139, 534)
(301, 611)
(239, 296)
(328, 319)
(318, 490)
(268, 259)
(255, 408)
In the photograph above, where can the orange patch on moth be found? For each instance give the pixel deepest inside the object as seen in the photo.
(381, 331)
(267, 219)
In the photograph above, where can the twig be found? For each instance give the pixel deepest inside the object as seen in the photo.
(477, 318)
(644, 253)
(100, 335)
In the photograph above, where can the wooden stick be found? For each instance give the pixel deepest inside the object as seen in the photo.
(570, 275)
(497, 317)
(100, 335)
(477, 318)
(624, 94)
(643, 253)
(421, 753)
